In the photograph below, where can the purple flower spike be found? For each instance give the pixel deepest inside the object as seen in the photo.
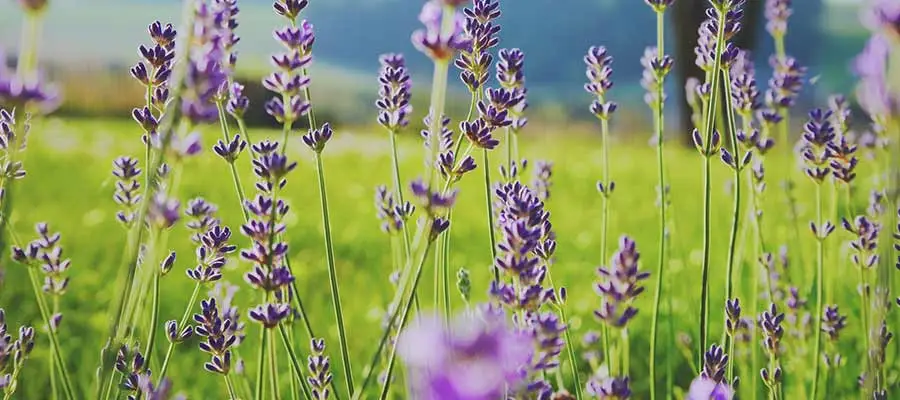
(290, 9)
(599, 71)
(818, 133)
(609, 388)
(659, 5)
(394, 93)
(319, 367)
(479, 134)
(163, 211)
(270, 315)
(786, 82)
(777, 14)
(703, 388)
(473, 359)
(316, 139)
(620, 285)
(432, 41)
(481, 28)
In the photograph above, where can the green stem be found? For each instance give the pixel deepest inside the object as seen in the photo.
(273, 366)
(332, 276)
(604, 225)
(296, 366)
(261, 363)
(154, 315)
(444, 255)
(570, 349)
(392, 357)
(54, 386)
(820, 272)
(184, 318)
(736, 210)
(398, 188)
(230, 386)
(236, 179)
(28, 53)
(660, 166)
(490, 211)
(509, 151)
(54, 340)
(707, 188)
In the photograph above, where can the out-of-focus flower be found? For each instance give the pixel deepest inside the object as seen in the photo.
(432, 40)
(703, 388)
(476, 358)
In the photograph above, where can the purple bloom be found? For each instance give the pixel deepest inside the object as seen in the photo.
(777, 14)
(882, 15)
(612, 388)
(654, 74)
(543, 172)
(476, 358)
(127, 194)
(290, 79)
(786, 82)
(659, 5)
(319, 370)
(480, 28)
(394, 93)
(316, 139)
(873, 91)
(33, 92)
(290, 9)
(436, 44)
(703, 388)
(620, 285)
(818, 133)
(207, 63)
(215, 329)
(163, 212)
(479, 134)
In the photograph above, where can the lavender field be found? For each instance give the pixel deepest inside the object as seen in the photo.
(183, 253)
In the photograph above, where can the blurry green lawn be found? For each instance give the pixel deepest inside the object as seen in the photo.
(69, 185)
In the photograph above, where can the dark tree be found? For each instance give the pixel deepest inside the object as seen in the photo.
(687, 15)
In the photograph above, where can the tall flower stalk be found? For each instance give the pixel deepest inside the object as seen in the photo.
(721, 22)
(656, 68)
(599, 72)
(817, 135)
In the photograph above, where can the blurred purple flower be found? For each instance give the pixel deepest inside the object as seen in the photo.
(703, 388)
(476, 358)
(436, 44)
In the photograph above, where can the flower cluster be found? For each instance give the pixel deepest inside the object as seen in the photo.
(511, 76)
(394, 93)
(127, 194)
(476, 357)
(163, 212)
(708, 35)
(654, 75)
(526, 244)
(212, 250)
(201, 216)
(864, 244)
(481, 30)
(218, 337)
(290, 80)
(13, 354)
(32, 93)
(843, 150)
(785, 84)
(13, 135)
(153, 72)
(436, 42)
(267, 252)
(134, 369)
(392, 215)
(609, 388)
(770, 321)
(543, 172)
(620, 285)
(46, 253)
(832, 324)
(777, 14)
(818, 133)
(599, 73)
(208, 62)
(319, 370)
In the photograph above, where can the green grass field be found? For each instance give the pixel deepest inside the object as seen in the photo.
(69, 185)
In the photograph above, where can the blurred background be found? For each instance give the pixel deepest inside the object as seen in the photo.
(88, 46)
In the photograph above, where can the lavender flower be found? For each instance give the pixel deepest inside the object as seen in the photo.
(217, 339)
(32, 93)
(770, 321)
(207, 63)
(316, 139)
(13, 354)
(432, 202)
(127, 194)
(777, 14)
(654, 74)
(163, 212)
(620, 285)
(817, 134)
(864, 245)
(432, 40)
(659, 5)
(475, 60)
(33, 6)
(511, 76)
(543, 172)
(599, 72)
(290, 9)
(705, 388)
(609, 388)
(786, 82)
(201, 217)
(319, 370)
(46, 253)
(133, 367)
(289, 79)
(391, 214)
(212, 250)
(882, 15)
(833, 322)
(153, 72)
(475, 358)
(394, 93)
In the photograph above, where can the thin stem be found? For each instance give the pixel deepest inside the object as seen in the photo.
(820, 272)
(707, 188)
(604, 225)
(573, 360)
(238, 188)
(261, 363)
(296, 366)
(736, 210)
(231, 393)
(660, 167)
(273, 366)
(54, 340)
(332, 275)
(490, 210)
(54, 386)
(398, 188)
(28, 53)
(187, 313)
(444, 254)
(154, 315)
(405, 314)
